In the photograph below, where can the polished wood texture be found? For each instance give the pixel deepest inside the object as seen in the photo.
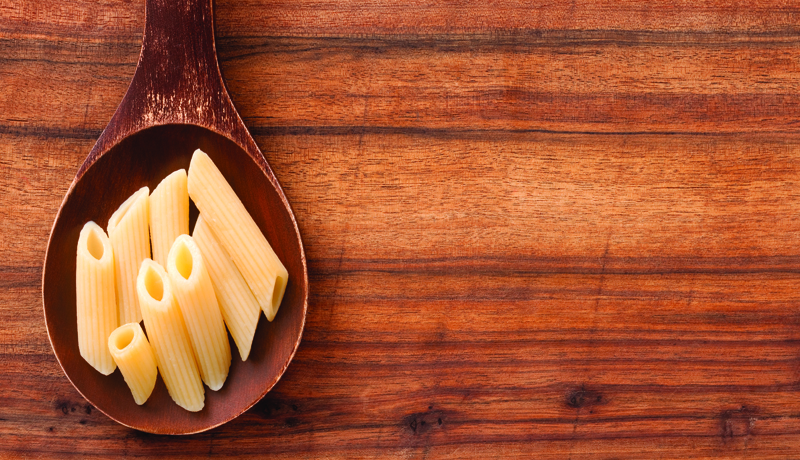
(567, 230)
(176, 103)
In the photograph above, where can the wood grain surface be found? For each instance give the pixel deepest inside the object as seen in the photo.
(567, 230)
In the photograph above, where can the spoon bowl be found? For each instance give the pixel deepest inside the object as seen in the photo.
(167, 113)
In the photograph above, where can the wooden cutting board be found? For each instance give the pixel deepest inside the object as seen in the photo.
(562, 230)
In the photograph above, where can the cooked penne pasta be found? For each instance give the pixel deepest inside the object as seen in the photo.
(95, 301)
(238, 233)
(134, 356)
(168, 337)
(169, 214)
(129, 233)
(195, 295)
(239, 308)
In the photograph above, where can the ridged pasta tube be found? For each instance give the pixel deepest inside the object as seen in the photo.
(169, 214)
(95, 301)
(129, 232)
(238, 233)
(134, 356)
(198, 303)
(169, 338)
(239, 308)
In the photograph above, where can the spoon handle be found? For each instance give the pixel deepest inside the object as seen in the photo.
(177, 80)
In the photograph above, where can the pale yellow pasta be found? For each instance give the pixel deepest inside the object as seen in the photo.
(95, 302)
(239, 308)
(135, 358)
(169, 214)
(195, 295)
(169, 338)
(238, 233)
(129, 233)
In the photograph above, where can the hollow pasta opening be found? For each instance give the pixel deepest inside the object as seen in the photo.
(95, 245)
(123, 338)
(276, 292)
(154, 284)
(183, 260)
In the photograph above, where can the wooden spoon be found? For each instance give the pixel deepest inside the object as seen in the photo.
(176, 103)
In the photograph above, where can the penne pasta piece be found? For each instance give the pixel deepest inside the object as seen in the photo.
(239, 308)
(129, 233)
(238, 233)
(169, 214)
(198, 303)
(134, 356)
(168, 337)
(95, 300)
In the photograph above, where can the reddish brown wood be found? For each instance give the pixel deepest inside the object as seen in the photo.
(175, 104)
(498, 273)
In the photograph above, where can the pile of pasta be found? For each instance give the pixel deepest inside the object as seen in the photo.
(225, 273)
